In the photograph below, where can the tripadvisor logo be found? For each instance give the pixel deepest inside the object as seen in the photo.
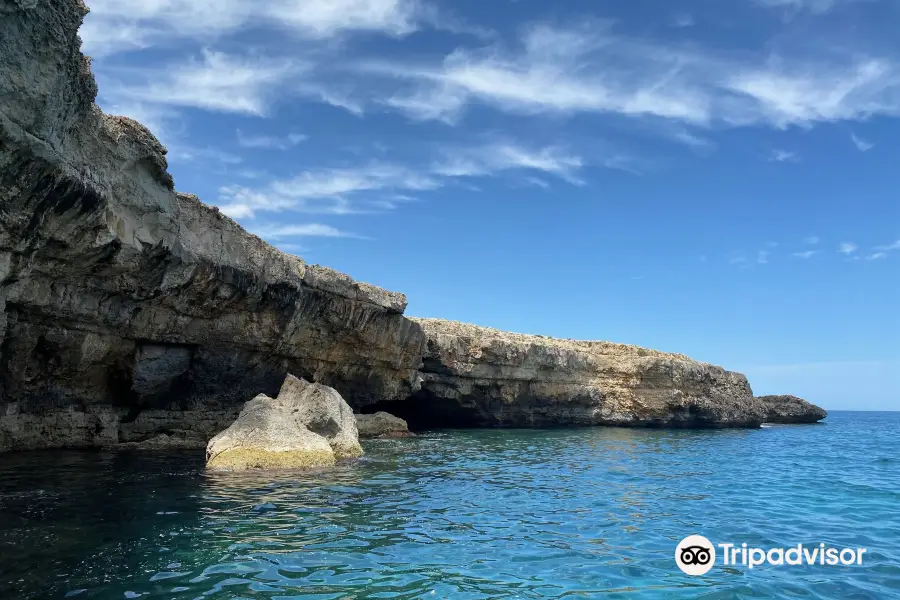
(696, 555)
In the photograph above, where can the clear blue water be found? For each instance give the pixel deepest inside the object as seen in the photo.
(584, 513)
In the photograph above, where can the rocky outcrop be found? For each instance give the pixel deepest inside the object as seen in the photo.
(307, 425)
(120, 296)
(790, 410)
(476, 376)
(381, 425)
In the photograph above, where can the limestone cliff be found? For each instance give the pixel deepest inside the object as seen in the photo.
(118, 294)
(130, 313)
(480, 376)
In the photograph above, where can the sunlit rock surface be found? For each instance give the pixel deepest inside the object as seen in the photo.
(307, 425)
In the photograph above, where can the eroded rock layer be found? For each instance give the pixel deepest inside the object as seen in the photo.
(476, 376)
(119, 295)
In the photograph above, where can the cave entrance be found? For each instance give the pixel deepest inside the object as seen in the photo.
(424, 410)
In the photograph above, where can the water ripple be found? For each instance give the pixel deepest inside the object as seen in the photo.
(463, 514)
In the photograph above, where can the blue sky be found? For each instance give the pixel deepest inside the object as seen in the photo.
(706, 177)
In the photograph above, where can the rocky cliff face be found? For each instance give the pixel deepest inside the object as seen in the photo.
(119, 295)
(130, 313)
(476, 376)
(791, 410)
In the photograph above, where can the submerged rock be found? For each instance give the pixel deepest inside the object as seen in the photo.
(477, 376)
(791, 409)
(307, 425)
(381, 425)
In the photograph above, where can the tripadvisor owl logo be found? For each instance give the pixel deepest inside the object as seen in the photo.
(695, 555)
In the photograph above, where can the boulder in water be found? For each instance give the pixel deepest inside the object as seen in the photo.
(791, 409)
(381, 425)
(308, 425)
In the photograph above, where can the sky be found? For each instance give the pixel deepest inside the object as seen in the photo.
(712, 178)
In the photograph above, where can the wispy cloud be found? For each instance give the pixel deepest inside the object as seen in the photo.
(762, 257)
(484, 160)
(814, 6)
(861, 144)
(214, 81)
(806, 254)
(189, 153)
(848, 248)
(303, 230)
(783, 156)
(889, 247)
(269, 142)
(877, 256)
(812, 240)
(114, 26)
(590, 69)
(348, 190)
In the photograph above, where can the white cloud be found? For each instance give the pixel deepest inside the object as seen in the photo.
(806, 254)
(113, 25)
(783, 156)
(695, 142)
(589, 69)
(338, 190)
(304, 230)
(189, 153)
(762, 257)
(814, 6)
(805, 94)
(848, 248)
(889, 247)
(861, 144)
(216, 82)
(558, 70)
(506, 156)
(269, 142)
(812, 240)
(877, 256)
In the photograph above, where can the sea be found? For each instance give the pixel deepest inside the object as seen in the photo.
(469, 514)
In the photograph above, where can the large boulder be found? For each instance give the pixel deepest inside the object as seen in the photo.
(791, 409)
(307, 425)
(381, 425)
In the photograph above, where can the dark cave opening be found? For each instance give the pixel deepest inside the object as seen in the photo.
(424, 410)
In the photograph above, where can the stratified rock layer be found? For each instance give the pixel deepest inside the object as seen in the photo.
(790, 410)
(477, 376)
(119, 295)
(307, 425)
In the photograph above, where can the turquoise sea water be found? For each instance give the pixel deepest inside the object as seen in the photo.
(585, 513)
